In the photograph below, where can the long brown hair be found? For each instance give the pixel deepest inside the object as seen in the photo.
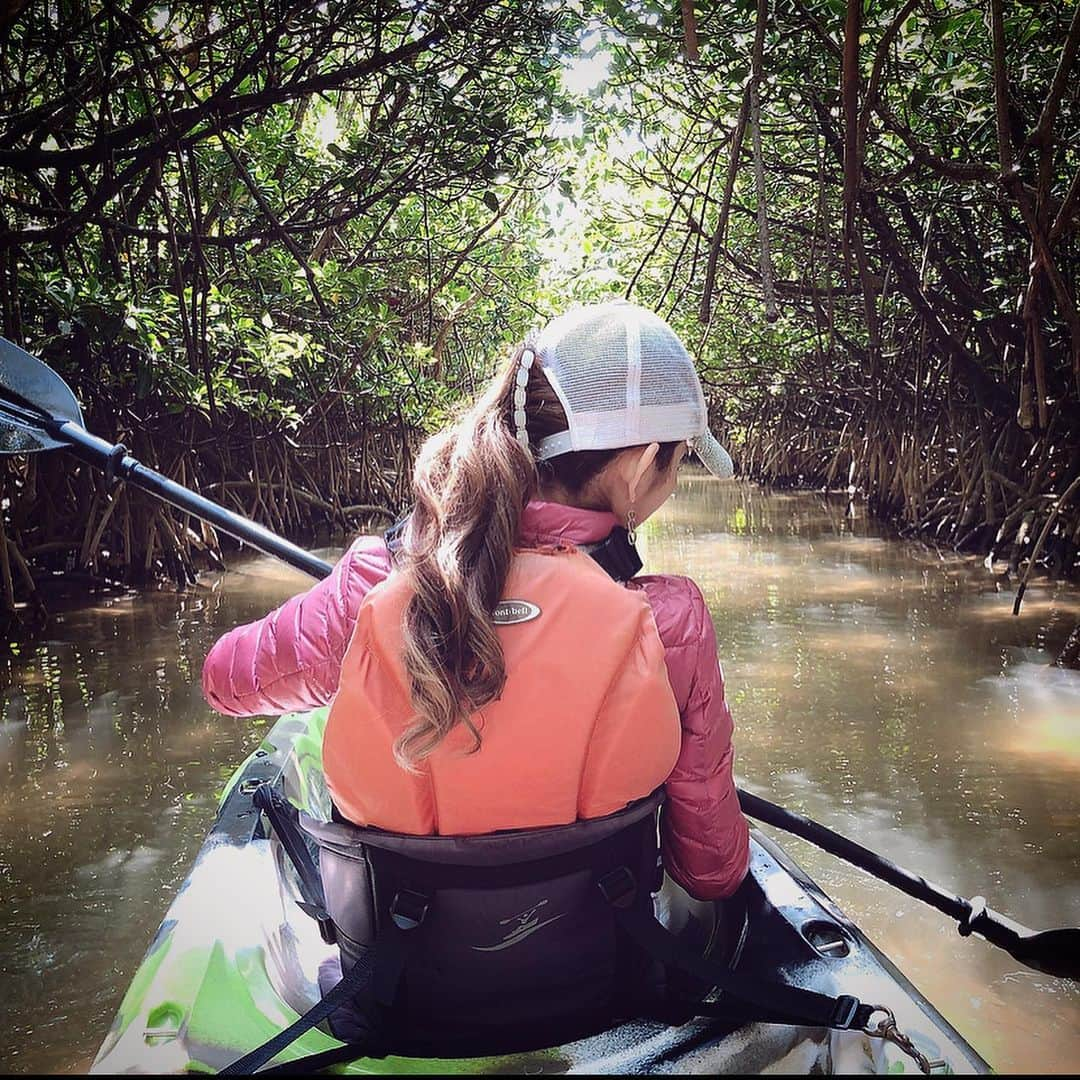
(470, 484)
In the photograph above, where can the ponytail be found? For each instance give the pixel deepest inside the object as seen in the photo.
(470, 484)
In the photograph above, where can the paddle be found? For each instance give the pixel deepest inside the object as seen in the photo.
(1055, 952)
(39, 412)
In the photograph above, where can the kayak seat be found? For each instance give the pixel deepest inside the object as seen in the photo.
(516, 947)
(712, 928)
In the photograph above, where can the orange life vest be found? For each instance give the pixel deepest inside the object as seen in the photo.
(586, 723)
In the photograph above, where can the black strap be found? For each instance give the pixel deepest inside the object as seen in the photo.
(773, 1002)
(284, 819)
(379, 970)
(727, 1008)
(359, 977)
(312, 1063)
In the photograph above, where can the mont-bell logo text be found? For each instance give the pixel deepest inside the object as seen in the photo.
(508, 612)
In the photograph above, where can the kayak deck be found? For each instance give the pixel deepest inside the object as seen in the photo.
(235, 961)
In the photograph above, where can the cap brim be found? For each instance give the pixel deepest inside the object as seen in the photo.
(713, 456)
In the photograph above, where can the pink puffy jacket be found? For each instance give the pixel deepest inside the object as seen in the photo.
(291, 660)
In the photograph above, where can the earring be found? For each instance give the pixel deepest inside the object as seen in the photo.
(631, 525)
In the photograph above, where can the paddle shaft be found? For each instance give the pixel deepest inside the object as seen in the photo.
(972, 915)
(115, 460)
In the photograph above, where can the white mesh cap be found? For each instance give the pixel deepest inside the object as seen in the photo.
(624, 379)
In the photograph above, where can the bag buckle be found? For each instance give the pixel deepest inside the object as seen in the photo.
(847, 1007)
(408, 909)
(619, 887)
(322, 917)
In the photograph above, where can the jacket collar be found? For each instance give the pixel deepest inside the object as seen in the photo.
(555, 523)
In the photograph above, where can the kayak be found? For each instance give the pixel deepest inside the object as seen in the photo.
(235, 961)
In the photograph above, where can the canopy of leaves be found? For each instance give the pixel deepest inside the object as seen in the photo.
(933, 202)
(250, 206)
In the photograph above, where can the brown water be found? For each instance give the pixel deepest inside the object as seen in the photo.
(877, 687)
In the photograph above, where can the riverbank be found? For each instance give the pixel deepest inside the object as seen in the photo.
(958, 477)
(67, 531)
(62, 585)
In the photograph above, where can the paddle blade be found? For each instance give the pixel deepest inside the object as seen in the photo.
(30, 395)
(1055, 952)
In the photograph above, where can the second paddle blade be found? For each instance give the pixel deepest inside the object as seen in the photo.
(1055, 952)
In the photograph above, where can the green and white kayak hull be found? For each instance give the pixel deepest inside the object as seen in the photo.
(235, 961)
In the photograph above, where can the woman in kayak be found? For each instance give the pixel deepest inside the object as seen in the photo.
(488, 674)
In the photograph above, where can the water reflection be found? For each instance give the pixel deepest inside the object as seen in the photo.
(110, 766)
(888, 691)
(1039, 714)
(877, 686)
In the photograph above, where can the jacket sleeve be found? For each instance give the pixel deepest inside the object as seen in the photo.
(705, 838)
(291, 658)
